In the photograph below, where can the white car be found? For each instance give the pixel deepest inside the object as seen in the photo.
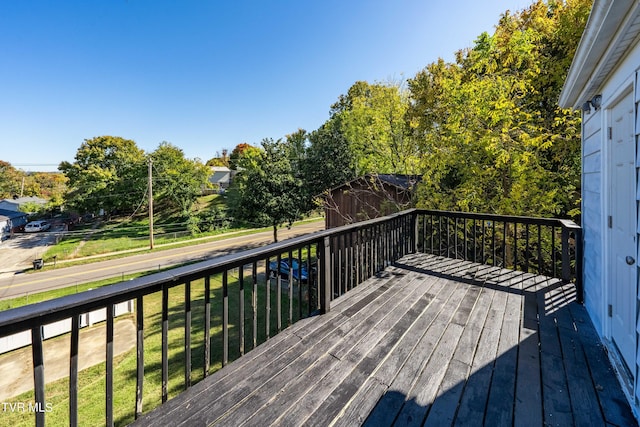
(35, 226)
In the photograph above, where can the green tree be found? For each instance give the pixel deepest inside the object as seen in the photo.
(328, 162)
(48, 185)
(266, 191)
(371, 118)
(219, 159)
(178, 181)
(10, 180)
(108, 173)
(237, 153)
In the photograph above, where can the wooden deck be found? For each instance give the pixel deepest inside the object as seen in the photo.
(431, 341)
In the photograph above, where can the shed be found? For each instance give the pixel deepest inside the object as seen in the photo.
(604, 83)
(369, 196)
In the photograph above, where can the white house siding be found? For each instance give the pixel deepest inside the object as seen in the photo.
(592, 215)
(637, 134)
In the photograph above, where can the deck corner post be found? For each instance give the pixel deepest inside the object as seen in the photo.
(579, 284)
(325, 277)
(415, 237)
(566, 265)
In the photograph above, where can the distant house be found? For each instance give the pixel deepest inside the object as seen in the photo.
(220, 177)
(15, 203)
(11, 221)
(604, 83)
(368, 196)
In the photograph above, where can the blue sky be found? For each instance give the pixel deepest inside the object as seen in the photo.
(203, 74)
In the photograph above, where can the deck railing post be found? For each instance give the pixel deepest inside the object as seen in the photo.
(325, 280)
(38, 373)
(566, 266)
(579, 285)
(415, 237)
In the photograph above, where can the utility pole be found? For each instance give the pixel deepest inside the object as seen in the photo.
(150, 205)
(22, 188)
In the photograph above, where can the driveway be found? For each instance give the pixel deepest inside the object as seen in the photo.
(18, 252)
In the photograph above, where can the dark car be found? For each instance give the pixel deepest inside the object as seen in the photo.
(299, 269)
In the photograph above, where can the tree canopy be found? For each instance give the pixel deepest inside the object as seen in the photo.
(47, 185)
(267, 192)
(178, 181)
(490, 134)
(108, 173)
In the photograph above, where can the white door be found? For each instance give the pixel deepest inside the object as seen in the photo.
(622, 203)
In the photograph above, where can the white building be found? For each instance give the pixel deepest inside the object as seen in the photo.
(603, 82)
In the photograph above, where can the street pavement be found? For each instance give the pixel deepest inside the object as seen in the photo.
(20, 284)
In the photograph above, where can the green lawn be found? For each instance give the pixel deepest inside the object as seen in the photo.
(72, 247)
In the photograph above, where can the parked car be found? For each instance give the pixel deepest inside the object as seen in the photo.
(299, 269)
(35, 226)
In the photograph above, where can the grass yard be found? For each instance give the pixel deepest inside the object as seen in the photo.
(91, 394)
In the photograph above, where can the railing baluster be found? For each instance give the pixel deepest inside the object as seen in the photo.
(267, 297)
(566, 266)
(515, 245)
(290, 290)
(300, 281)
(225, 317)
(553, 251)
(109, 367)
(483, 243)
(423, 240)
(540, 260)
(448, 238)
(139, 354)
(493, 242)
(241, 309)
(465, 243)
(431, 232)
(38, 373)
(358, 258)
(335, 266)
(187, 334)
(343, 264)
(254, 301)
(441, 238)
(207, 324)
(325, 268)
(455, 238)
(165, 341)
(475, 240)
(279, 295)
(526, 248)
(505, 230)
(73, 371)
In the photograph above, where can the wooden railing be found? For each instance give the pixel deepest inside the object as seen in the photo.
(545, 246)
(246, 297)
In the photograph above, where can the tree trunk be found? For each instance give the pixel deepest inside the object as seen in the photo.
(275, 233)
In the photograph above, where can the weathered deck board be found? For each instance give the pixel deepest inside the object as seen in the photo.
(432, 341)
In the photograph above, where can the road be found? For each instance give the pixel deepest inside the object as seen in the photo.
(25, 284)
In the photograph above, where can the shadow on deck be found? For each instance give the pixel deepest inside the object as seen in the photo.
(430, 341)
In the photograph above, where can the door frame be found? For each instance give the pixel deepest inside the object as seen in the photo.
(625, 89)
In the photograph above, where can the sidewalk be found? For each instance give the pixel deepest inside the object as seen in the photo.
(16, 375)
